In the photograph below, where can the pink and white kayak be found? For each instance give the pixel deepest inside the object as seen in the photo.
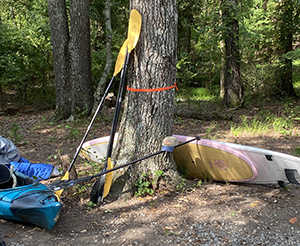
(220, 161)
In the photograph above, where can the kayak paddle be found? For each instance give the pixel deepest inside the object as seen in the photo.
(118, 67)
(102, 185)
(169, 144)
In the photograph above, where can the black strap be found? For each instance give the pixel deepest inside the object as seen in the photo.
(291, 176)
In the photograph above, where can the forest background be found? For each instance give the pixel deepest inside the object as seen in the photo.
(268, 42)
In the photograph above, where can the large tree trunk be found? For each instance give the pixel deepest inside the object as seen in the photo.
(61, 57)
(233, 89)
(148, 116)
(80, 51)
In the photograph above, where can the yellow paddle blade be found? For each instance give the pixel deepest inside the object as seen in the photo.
(134, 29)
(59, 192)
(108, 178)
(121, 58)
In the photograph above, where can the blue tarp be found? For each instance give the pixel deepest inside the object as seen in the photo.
(10, 155)
(38, 171)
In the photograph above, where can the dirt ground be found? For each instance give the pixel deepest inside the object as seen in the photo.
(207, 214)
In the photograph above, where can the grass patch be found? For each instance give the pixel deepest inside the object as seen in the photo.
(195, 94)
(211, 131)
(296, 151)
(263, 122)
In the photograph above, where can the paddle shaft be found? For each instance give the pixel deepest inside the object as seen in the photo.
(141, 159)
(117, 109)
(118, 66)
(85, 179)
(102, 186)
(134, 30)
(90, 125)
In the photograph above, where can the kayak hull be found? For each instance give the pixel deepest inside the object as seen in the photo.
(209, 160)
(220, 161)
(199, 159)
(33, 203)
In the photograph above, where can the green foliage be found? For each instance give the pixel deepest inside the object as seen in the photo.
(26, 72)
(119, 23)
(293, 55)
(199, 58)
(181, 185)
(202, 27)
(90, 205)
(25, 52)
(15, 133)
(209, 131)
(145, 183)
(96, 166)
(296, 151)
(198, 184)
(144, 186)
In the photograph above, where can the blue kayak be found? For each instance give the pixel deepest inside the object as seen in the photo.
(31, 202)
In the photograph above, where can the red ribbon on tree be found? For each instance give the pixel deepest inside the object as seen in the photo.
(153, 90)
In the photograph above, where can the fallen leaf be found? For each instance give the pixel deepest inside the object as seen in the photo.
(177, 206)
(10, 235)
(254, 204)
(293, 220)
(169, 230)
(183, 199)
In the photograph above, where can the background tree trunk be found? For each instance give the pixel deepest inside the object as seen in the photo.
(148, 116)
(61, 57)
(285, 69)
(233, 89)
(222, 70)
(108, 64)
(80, 51)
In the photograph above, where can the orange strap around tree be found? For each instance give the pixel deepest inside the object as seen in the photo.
(153, 90)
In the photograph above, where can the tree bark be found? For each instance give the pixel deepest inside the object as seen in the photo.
(148, 116)
(285, 83)
(71, 58)
(80, 52)
(222, 70)
(233, 93)
(61, 57)
(103, 81)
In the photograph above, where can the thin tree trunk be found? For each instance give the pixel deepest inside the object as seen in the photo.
(103, 81)
(12, 12)
(148, 116)
(222, 71)
(285, 83)
(233, 96)
(1, 99)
